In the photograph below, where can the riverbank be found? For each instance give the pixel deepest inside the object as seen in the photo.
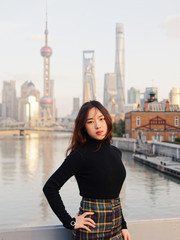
(155, 148)
(162, 164)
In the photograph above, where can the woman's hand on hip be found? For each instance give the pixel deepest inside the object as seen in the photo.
(126, 235)
(82, 221)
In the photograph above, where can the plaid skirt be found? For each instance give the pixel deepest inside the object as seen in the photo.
(107, 216)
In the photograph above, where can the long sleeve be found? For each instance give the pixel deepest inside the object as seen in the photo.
(70, 167)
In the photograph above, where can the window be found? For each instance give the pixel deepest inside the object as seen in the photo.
(157, 137)
(176, 121)
(138, 121)
(172, 138)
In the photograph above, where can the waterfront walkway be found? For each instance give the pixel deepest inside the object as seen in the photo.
(160, 229)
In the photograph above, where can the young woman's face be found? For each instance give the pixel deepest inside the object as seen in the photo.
(96, 125)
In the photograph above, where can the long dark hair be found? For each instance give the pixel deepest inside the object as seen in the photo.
(79, 136)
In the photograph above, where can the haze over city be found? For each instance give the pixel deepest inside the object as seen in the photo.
(152, 44)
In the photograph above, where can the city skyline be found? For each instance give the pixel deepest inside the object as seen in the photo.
(152, 49)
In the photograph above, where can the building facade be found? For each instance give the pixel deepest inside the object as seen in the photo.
(119, 67)
(9, 100)
(89, 81)
(156, 122)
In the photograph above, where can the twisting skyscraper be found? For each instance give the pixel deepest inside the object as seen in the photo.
(119, 67)
(47, 103)
(89, 84)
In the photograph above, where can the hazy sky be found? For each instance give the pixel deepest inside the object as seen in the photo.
(152, 43)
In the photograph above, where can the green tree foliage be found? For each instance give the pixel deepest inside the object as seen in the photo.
(119, 128)
(177, 139)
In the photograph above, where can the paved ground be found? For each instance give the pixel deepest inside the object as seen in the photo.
(163, 229)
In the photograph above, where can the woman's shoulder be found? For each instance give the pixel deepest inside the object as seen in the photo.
(78, 151)
(115, 149)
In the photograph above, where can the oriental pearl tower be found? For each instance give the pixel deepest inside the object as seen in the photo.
(46, 101)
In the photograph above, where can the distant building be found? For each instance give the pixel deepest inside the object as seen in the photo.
(32, 111)
(27, 89)
(133, 96)
(131, 107)
(89, 82)
(75, 106)
(155, 121)
(9, 100)
(114, 83)
(119, 67)
(174, 96)
(110, 93)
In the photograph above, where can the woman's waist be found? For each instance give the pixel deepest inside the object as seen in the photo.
(93, 204)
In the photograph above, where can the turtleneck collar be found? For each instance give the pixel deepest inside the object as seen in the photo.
(95, 142)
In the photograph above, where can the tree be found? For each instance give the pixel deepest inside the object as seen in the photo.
(119, 128)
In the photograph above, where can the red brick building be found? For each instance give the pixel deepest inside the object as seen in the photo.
(157, 121)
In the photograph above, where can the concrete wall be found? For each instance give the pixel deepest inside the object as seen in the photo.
(163, 229)
(167, 149)
(127, 144)
(160, 148)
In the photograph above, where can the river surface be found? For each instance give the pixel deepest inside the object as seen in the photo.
(27, 162)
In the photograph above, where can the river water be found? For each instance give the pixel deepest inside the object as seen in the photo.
(27, 162)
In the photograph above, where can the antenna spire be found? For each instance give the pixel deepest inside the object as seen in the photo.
(46, 31)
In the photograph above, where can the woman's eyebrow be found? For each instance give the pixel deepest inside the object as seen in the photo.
(89, 119)
(93, 117)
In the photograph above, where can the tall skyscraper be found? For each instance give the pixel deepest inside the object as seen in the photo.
(89, 82)
(174, 96)
(133, 96)
(9, 100)
(110, 92)
(119, 67)
(46, 101)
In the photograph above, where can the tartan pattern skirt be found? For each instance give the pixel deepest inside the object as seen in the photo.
(107, 216)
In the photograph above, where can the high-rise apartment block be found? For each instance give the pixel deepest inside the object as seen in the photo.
(9, 100)
(133, 96)
(89, 82)
(119, 67)
(174, 96)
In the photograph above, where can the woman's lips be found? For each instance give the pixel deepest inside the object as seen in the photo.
(99, 132)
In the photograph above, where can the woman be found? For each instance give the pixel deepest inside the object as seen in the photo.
(99, 172)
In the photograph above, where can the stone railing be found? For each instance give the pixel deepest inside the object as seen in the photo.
(160, 229)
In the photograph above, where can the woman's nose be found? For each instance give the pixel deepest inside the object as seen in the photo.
(97, 124)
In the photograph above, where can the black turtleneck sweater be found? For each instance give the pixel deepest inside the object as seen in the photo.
(99, 174)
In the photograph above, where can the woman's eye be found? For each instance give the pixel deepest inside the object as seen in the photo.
(89, 122)
(102, 118)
